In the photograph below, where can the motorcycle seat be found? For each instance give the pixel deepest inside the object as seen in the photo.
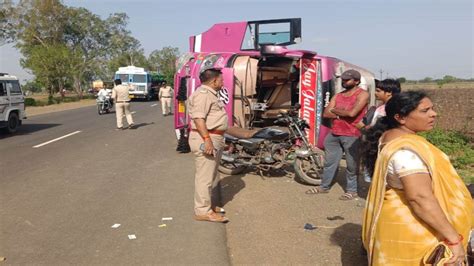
(240, 133)
(271, 134)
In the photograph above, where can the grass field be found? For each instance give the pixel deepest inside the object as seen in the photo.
(433, 85)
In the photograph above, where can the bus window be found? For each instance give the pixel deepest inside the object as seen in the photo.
(122, 77)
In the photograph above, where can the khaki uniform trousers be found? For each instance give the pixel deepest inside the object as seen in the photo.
(120, 109)
(166, 105)
(206, 172)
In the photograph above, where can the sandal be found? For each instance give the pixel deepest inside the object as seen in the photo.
(316, 190)
(348, 196)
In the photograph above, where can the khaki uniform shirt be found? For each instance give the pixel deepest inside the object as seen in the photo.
(204, 103)
(120, 93)
(166, 92)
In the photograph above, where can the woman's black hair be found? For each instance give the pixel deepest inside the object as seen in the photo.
(402, 104)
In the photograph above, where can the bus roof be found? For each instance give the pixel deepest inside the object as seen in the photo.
(131, 70)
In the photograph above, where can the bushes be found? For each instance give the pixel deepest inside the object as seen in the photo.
(30, 102)
(458, 147)
(53, 100)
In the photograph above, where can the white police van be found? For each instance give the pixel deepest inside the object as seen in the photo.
(12, 103)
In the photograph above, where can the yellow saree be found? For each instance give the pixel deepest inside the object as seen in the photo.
(391, 232)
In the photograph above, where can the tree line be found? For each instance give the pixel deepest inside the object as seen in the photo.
(68, 47)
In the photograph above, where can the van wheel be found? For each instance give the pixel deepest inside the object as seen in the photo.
(13, 123)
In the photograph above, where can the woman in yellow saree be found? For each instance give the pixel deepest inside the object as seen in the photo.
(416, 199)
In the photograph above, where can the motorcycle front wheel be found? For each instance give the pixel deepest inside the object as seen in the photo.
(307, 172)
(99, 109)
(230, 168)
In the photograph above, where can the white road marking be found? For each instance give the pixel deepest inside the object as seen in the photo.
(56, 139)
(153, 105)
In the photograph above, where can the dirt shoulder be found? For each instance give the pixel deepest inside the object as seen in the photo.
(267, 217)
(38, 110)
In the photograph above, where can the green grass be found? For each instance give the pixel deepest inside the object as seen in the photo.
(458, 147)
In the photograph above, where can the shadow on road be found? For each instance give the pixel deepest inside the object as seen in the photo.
(229, 187)
(340, 180)
(27, 129)
(348, 237)
(142, 125)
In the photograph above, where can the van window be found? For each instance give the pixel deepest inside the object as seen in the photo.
(3, 89)
(14, 87)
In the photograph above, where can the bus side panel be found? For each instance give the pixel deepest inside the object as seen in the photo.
(327, 92)
(226, 94)
(308, 95)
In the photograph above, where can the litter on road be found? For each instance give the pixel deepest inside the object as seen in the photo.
(167, 218)
(115, 226)
(308, 226)
(131, 237)
(337, 217)
(162, 225)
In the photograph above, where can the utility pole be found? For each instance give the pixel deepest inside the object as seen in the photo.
(381, 72)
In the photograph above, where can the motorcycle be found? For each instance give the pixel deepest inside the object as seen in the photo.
(271, 148)
(104, 105)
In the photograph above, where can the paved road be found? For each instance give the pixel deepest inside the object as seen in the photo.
(59, 201)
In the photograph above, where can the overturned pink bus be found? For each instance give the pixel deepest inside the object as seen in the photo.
(262, 76)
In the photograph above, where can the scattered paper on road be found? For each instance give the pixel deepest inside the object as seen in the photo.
(131, 237)
(167, 218)
(162, 225)
(115, 226)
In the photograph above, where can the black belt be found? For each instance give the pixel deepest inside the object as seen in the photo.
(123, 101)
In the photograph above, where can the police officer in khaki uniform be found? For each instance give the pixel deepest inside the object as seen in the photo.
(165, 95)
(209, 122)
(120, 96)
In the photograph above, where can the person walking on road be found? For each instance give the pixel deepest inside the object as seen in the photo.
(165, 96)
(121, 97)
(208, 124)
(347, 109)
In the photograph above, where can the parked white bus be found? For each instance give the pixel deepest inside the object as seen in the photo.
(139, 81)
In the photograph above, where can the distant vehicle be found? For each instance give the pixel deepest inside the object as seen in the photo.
(262, 77)
(12, 103)
(139, 81)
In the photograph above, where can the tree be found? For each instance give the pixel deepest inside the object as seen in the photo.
(39, 27)
(52, 66)
(449, 79)
(7, 32)
(427, 79)
(32, 86)
(73, 38)
(164, 61)
(402, 79)
(124, 49)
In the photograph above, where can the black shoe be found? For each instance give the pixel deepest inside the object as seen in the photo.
(131, 126)
(119, 128)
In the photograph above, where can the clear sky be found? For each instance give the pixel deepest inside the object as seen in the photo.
(404, 38)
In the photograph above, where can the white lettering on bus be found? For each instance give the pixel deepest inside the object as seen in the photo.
(311, 68)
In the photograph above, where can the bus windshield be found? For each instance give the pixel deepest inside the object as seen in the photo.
(139, 78)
